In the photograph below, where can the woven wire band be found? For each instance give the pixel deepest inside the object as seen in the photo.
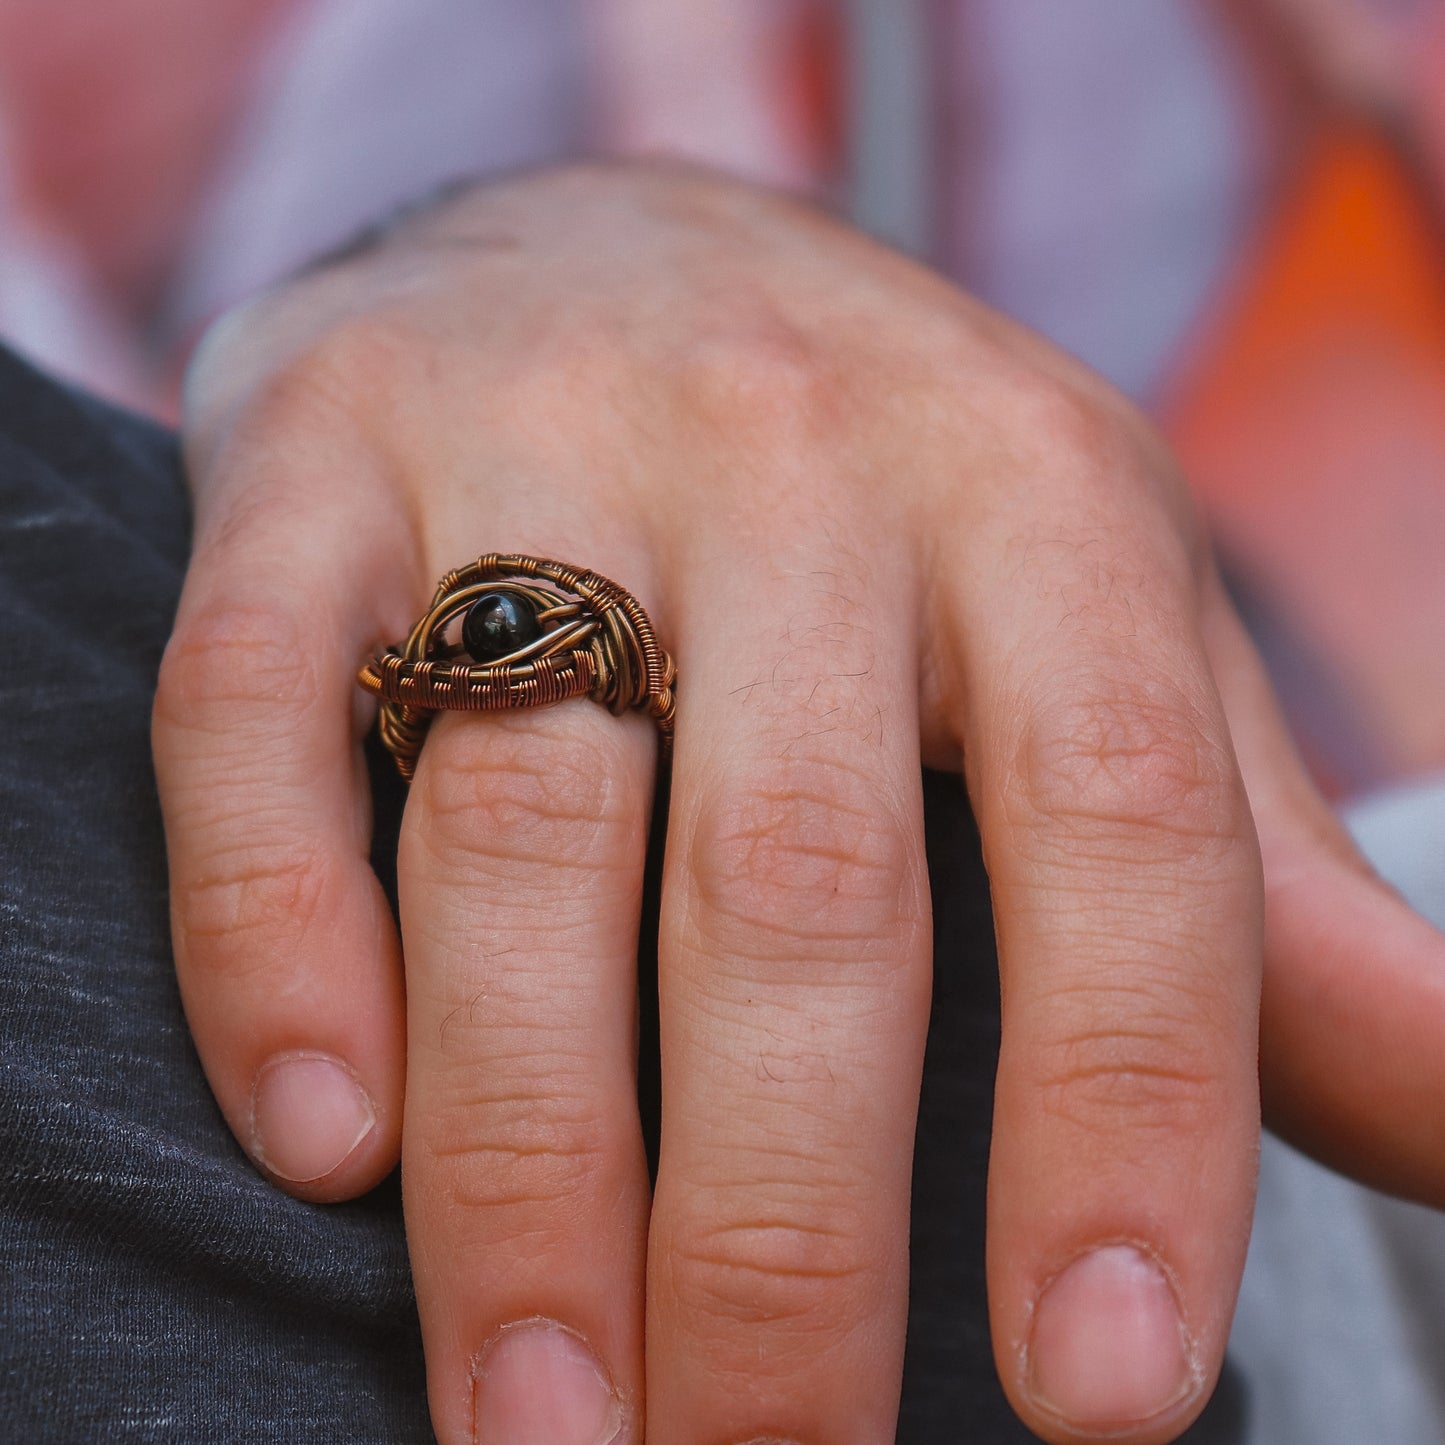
(596, 642)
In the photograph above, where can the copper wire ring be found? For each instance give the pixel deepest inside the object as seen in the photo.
(592, 640)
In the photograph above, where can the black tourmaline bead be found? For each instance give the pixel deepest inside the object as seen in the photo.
(498, 624)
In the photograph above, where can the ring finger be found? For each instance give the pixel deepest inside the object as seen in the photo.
(525, 1182)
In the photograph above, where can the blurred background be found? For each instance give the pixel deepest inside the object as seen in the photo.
(1235, 209)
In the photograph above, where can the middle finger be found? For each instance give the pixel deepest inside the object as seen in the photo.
(794, 985)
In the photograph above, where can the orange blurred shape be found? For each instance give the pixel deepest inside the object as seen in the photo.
(1311, 419)
(1352, 247)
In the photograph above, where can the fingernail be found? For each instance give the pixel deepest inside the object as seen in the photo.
(307, 1115)
(537, 1383)
(1108, 1347)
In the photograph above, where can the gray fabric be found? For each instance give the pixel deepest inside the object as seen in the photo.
(153, 1287)
(1340, 1330)
(1402, 831)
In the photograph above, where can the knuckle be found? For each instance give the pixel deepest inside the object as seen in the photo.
(296, 365)
(807, 1268)
(1088, 430)
(810, 862)
(760, 378)
(583, 355)
(277, 891)
(227, 662)
(349, 364)
(1089, 440)
(1118, 772)
(1162, 1073)
(527, 793)
(522, 1144)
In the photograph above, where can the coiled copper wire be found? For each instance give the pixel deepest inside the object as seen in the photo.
(597, 641)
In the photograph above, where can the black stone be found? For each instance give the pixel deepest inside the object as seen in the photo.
(498, 624)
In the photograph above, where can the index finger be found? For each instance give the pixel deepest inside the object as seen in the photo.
(286, 952)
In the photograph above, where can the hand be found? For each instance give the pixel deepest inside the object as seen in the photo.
(877, 525)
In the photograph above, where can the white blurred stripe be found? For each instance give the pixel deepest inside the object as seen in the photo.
(368, 103)
(1401, 830)
(891, 121)
(704, 81)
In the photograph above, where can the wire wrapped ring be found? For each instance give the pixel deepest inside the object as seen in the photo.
(513, 631)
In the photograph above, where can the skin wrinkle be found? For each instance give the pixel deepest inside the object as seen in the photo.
(205, 789)
(787, 1352)
(283, 895)
(539, 1063)
(223, 809)
(782, 947)
(1122, 752)
(1194, 894)
(1126, 1080)
(785, 1189)
(1093, 1055)
(785, 846)
(1184, 804)
(772, 1271)
(497, 997)
(572, 1161)
(495, 1100)
(225, 657)
(243, 861)
(1089, 839)
(472, 812)
(554, 1071)
(465, 915)
(267, 497)
(482, 1170)
(833, 963)
(761, 840)
(563, 1156)
(1175, 990)
(1112, 931)
(820, 959)
(833, 1207)
(1155, 1104)
(1191, 897)
(1116, 750)
(778, 1275)
(773, 1148)
(795, 1068)
(1138, 993)
(525, 1049)
(496, 1175)
(803, 1316)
